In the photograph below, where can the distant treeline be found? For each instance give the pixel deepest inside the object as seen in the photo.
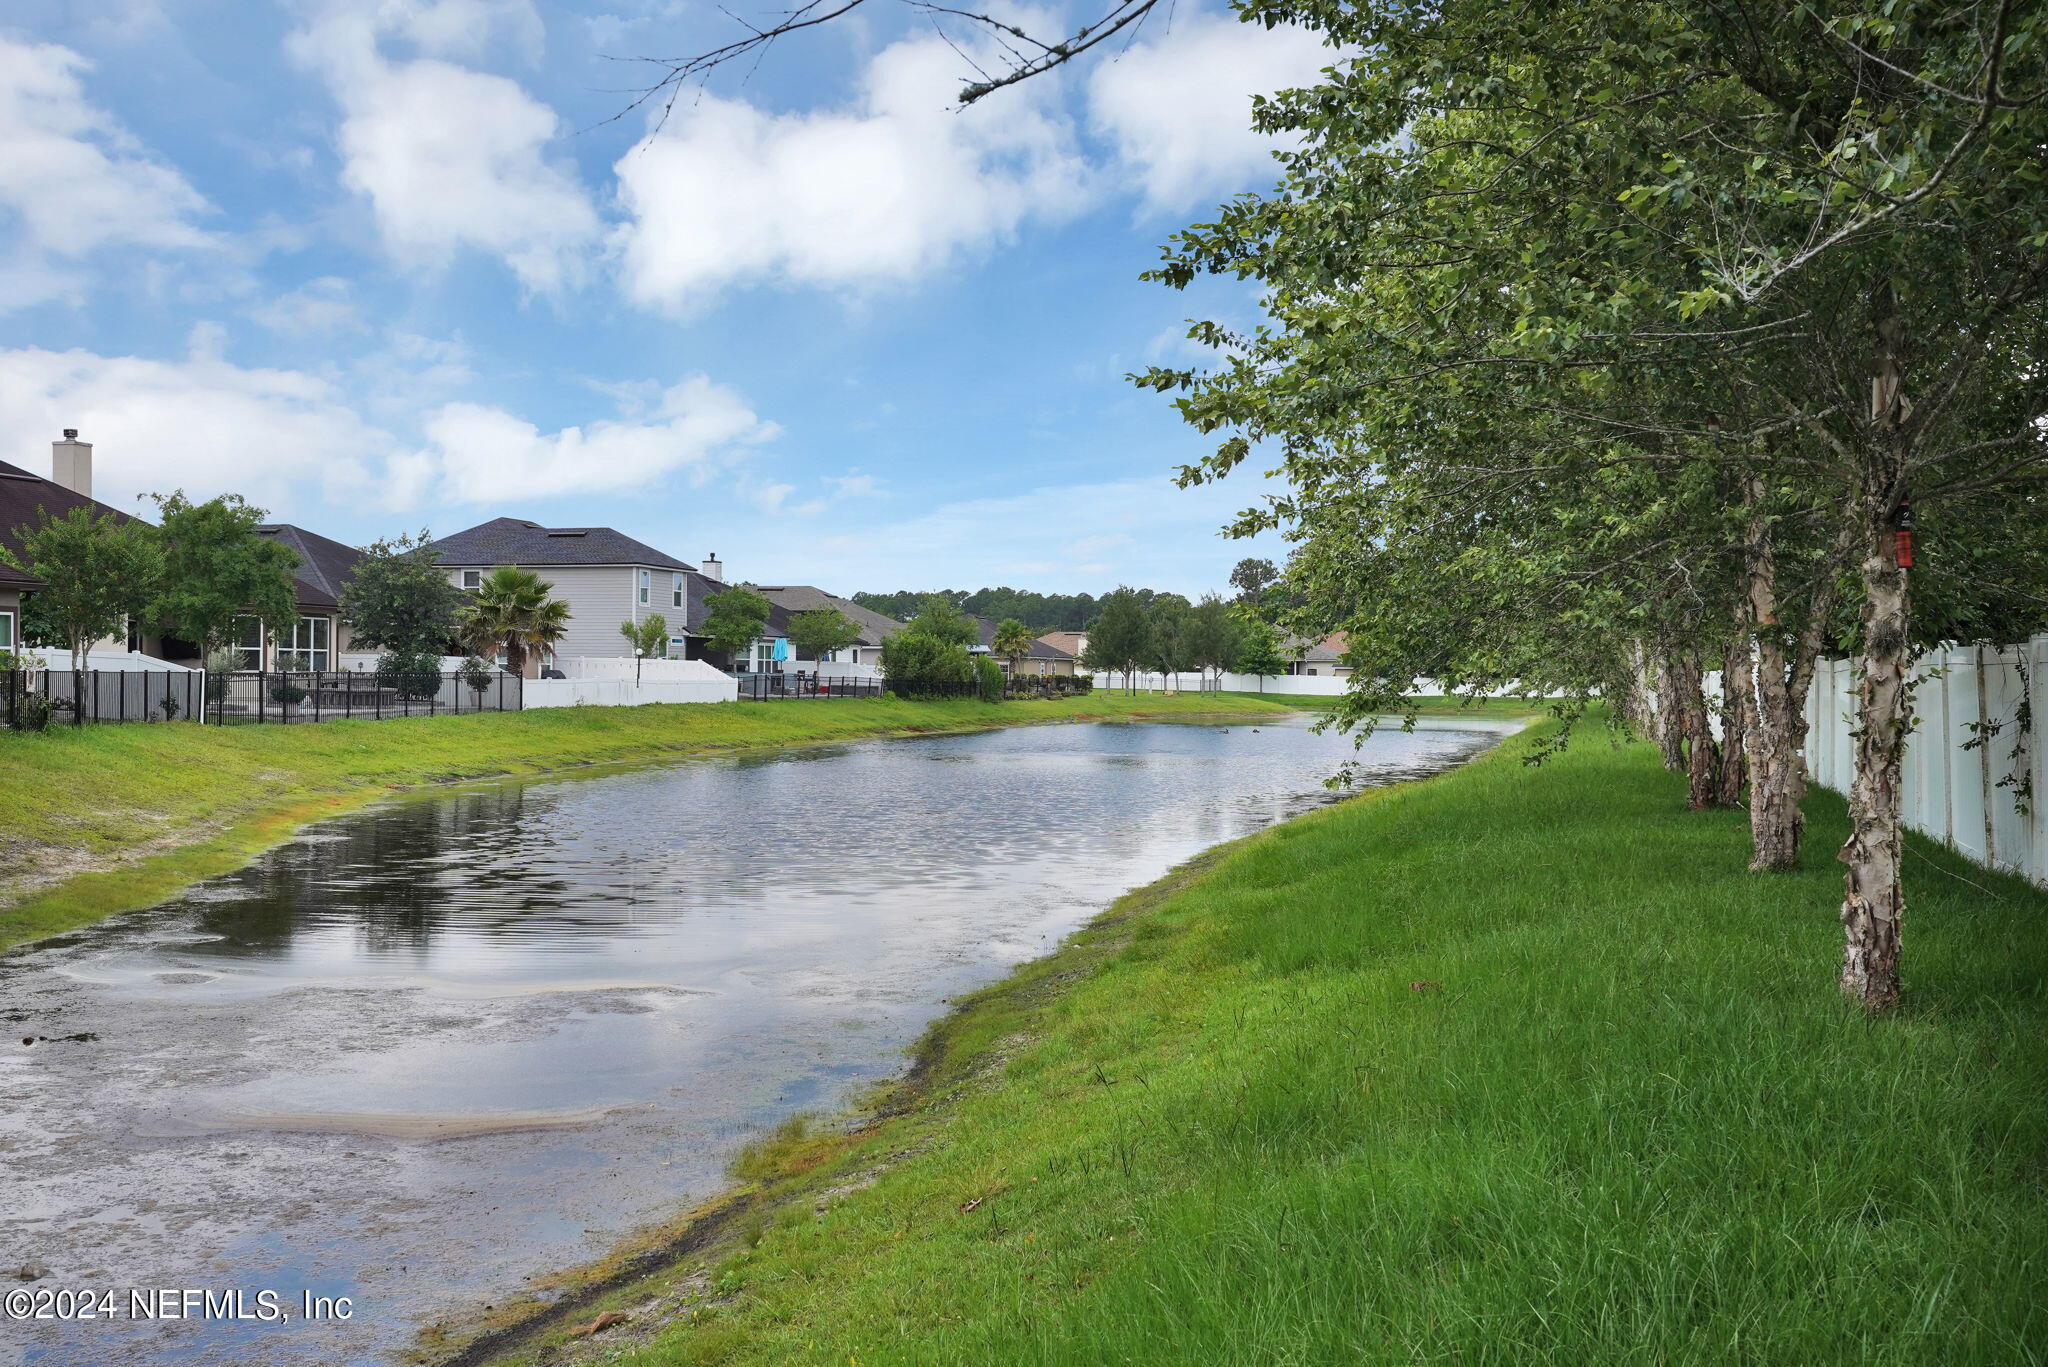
(1039, 611)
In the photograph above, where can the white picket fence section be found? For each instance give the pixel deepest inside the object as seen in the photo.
(1952, 788)
(1297, 685)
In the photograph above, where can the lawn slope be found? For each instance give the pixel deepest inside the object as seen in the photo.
(100, 819)
(1516, 1066)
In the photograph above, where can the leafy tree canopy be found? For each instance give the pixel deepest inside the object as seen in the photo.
(400, 599)
(734, 619)
(217, 567)
(97, 569)
(820, 631)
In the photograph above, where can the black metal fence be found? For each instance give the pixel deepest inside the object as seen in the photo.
(33, 699)
(769, 686)
(293, 696)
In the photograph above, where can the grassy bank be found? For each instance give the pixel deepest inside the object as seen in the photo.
(1518, 1066)
(101, 819)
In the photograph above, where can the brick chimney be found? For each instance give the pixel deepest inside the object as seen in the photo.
(712, 570)
(71, 462)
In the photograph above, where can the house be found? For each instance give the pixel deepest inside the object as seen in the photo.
(605, 576)
(1042, 659)
(320, 636)
(24, 500)
(786, 600)
(1308, 655)
(1074, 643)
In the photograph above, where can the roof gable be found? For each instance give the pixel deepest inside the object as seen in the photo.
(325, 565)
(515, 541)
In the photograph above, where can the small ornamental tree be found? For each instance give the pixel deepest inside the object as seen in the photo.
(1012, 641)
(1214, 637)
(819, 632)
(1120, 636)
(648, 638)
(400, 599)
(1258, 654)
(477, 674)
(216, 567)
(734, 620)
(1171, 639)
(97, 571)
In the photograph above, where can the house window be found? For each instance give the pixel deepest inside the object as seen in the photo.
(646, 576)
(247, 642)
(6, 631)
(312, 639)
(472, 579)
(675, 583)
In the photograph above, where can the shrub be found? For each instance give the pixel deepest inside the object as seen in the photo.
(414, 675)
(477, 674)
(219, 664)
(988, 679)
(287, 691)
(917, 665)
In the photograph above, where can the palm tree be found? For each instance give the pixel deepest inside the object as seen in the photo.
(1012, 641)
(511, 611)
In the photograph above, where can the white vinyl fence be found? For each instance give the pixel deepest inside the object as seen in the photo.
(1300, 685)
(1970, 764)
(599, 682)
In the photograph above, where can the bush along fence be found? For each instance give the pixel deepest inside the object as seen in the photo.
(292, 696)
(33, 699)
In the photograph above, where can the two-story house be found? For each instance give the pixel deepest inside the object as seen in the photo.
(605, 576)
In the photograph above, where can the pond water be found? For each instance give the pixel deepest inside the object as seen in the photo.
(429, 1050)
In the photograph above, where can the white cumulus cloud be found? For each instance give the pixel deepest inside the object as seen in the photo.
(73, 181)
(450, 158)
(1178, 107)
(887, 189)
(480, 454)
(281, 438)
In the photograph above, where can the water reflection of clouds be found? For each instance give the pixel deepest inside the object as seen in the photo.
(703, 945)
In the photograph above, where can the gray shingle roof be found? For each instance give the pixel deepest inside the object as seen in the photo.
(513, 541)
(24, 498)
(794, 598)
(325, 565)
(1039, 649)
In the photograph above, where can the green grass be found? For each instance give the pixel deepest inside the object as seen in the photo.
(133, 813)
(1518, 1066)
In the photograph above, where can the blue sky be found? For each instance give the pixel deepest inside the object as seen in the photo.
(384, 264)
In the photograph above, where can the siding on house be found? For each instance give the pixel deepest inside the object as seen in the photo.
(595, 570)
(599, 598)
